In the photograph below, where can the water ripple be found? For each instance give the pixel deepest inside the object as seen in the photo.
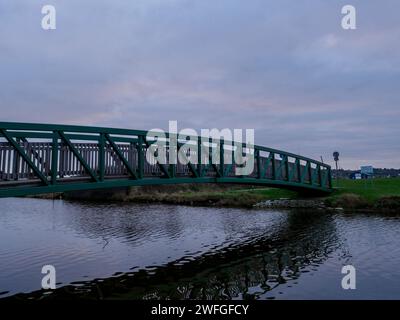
(185, 252)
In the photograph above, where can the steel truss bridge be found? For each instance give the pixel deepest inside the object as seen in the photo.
(47, 158)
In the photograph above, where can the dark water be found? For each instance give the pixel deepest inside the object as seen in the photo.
(157, 251)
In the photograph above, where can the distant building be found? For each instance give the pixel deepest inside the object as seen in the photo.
(377, 173)
(357, 175)
(365, 172)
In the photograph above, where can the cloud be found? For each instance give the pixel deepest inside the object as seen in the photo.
(285, 68)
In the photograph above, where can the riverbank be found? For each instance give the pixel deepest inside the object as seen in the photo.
(382, 193)
(219, 195)
(376, 194)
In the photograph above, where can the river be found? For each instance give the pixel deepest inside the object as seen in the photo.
(163, 251)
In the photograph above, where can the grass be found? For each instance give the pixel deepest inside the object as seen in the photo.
(259, 193)
(189, 194)
(370, 190)
(208, 194)
(235, 197)
(382, 192)
(349, 194)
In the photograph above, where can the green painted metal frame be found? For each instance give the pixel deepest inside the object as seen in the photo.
(119, 154)
(291, 175)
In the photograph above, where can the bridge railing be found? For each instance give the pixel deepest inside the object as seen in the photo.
(63, 157)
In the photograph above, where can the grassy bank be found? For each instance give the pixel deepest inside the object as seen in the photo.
(188, 194)
(349, 194)
(373, 193)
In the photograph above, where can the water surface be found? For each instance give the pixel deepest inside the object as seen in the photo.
(178, 252)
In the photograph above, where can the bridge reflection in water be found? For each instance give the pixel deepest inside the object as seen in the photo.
(43, 158)
(247, 270)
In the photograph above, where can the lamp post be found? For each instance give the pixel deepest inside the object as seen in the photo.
(336, 158)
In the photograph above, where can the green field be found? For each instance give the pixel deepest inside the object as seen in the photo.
(370, 190)
(378, 193)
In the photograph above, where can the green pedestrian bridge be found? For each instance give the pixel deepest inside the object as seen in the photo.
(47, 158)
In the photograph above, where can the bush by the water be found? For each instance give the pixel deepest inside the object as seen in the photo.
(348, 200)
(388, 202)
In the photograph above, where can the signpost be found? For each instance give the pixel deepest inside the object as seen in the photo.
(367, 170)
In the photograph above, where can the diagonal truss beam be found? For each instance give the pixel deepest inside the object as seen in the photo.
(305, 172)
(193, 170)
(24, 156)
(292, 168)
(163, 167)
(33, 152)
(283, 167)
(206, 167)
(269, 160)
(121, 156)
(78, 155)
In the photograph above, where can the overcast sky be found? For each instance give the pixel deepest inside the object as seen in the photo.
(285, 68)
